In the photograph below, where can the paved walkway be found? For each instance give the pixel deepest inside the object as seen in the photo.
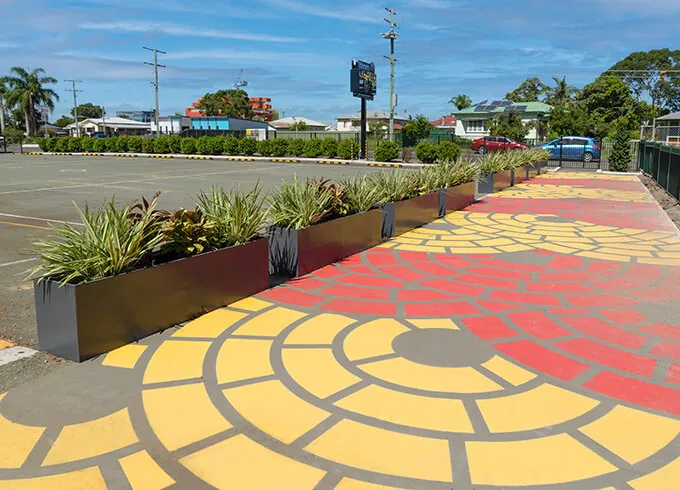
(530, 341)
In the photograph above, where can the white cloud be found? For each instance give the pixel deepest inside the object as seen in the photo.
(371, 15)
(176, 30)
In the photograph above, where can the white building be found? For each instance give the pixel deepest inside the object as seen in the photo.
(171, 124)
(287, 122)
(113, 126)
(473, 122)
(352, 122)
(668, 129)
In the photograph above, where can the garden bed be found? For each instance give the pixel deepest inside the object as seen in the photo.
(403, 216)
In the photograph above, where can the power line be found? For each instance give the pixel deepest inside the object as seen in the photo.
(75, 102)
(392, 34)
(155, 82)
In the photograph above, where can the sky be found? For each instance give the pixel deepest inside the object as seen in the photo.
(299, 52)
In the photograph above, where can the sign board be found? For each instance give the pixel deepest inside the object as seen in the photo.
(363, 81)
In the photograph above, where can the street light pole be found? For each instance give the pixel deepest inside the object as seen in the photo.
(392, 34)
(75, 102)
(155, 82)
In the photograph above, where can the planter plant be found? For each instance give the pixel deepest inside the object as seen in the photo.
(134, 270)
(316, 223)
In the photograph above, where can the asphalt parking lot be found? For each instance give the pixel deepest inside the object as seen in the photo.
(36, 191)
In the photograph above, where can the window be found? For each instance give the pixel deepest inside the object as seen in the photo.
(475, 126)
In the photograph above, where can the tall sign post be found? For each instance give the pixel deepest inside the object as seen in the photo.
(363, 84)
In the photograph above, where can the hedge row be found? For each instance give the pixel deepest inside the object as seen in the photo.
(445, 151)
(205, 145)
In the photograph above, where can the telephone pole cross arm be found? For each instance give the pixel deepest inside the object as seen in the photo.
(155, 82)
(392, 34)
(75, 102)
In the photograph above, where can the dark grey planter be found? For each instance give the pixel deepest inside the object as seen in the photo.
(519, 175)
(490, 183)
(403, 216)
(459, 197)
(78, 322)
(294, 253)
(536, 169)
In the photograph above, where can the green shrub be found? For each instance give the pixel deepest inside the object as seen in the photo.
(188, 146)
(426, 152)
(204, 145)
(448, 151)
(230, 146)
(264, 148)
(62, 144)
(296, 147)
(299, 204)
(175, 144)
(111, 144)
(109, 243)
(49, 143)
(162, 145)
(74, 145)
(135, 144)
(278, 147)
(148, 145)
(330, 147)
(386, 151)
(185, 233)
(620, 158)
(360, 194)
(247, 146)
(123, 144)
(313, 148)
(348, 150)
(87, 144)
(43, 143)
(217, 145)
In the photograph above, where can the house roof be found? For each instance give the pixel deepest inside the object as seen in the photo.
(674, 116)
(372, 114)
(118, 122)
(287, 121)
(445, 121)
(483, 109)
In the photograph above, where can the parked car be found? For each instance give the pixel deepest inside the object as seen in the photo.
(573, 148)
(99, 136)
(491, 144)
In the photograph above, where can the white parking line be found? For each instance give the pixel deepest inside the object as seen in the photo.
(18, 262)
(46, 220)
(136, 181)
(12, 354)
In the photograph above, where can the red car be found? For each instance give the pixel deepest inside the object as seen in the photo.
(490, 144)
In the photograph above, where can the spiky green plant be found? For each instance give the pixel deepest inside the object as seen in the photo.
(493, 163)
(238, 216)
(298, 204)
(360, 194)
(395, 186)
(109, 243)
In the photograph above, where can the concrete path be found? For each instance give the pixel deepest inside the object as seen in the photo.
(531, 341)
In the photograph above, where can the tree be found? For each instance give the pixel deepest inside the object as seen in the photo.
(275, 115)
(529, 90)
(510, 125)
(569, 119)
(620, 158)
(4, 90)
(377, 128)
(606, 100)
(646, 82)
(64, 121)
(561, 93)
(461, 101)
(416, 130)
(27, 91)
(125, 116)
(298, 126)
(178, 114)
(88, 111)
(228, 103)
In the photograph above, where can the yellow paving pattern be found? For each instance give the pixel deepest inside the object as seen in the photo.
(483, 233)
(542, 191)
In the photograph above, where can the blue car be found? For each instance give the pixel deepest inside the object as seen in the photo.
(573, 148)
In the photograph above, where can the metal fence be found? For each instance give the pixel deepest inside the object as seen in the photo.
(583, 156)
(662, 163)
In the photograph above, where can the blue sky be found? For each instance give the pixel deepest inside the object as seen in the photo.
(298, 52)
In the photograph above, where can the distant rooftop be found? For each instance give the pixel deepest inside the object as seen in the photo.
(674, 116)
(372, 114)
(500, 106)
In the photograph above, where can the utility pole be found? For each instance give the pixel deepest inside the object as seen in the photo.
(155, 82)
(392, 34)
(75, 102)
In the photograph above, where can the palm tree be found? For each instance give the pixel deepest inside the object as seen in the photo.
(561, 93)
(28, 92)
(4, 89)
(461, 101)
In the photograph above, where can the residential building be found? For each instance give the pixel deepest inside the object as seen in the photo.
(352, 122)
(473, 122)
(262, 107)
(446, 122)
(286, 122)
(668, 129)
(114, 126)
(171, 124)
(139, 116)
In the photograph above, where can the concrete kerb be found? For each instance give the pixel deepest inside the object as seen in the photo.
(315, 161)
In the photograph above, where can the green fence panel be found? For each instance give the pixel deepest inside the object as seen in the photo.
(662, 173)
(674, 175)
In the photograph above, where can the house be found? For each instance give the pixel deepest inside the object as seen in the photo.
(286, 122)
(668, 129)
(113, 126)
(473, 122)
(352, 122)
(171, 124)
(446, 122)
